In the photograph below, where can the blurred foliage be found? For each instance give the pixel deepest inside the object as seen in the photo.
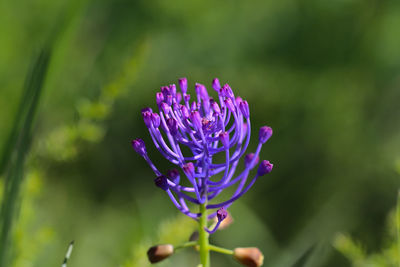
(389, 256)
(325, 75)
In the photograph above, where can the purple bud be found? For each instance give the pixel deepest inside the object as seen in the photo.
(165, 108)
(196, 119)
(147, 118)
(155, 119)
(193, 106)
(221, 214)
(147, 109)
(244, 108)
(162, 182)
(185, 112)
(172, 89)
(201, 91)
(159, 98)
(186, 98)
(172, 126)
(229, 104)
(188, 169)
(248, 158)
(165, 90)
(169, 100)
(139, 147)
(238, 99)
(178, 97)
(264, 134)
(228, 91)
(215, 107)
(176, 106)
(173, 176)
(264, 168)
(224, 138)
(216, 85)
(183, 85)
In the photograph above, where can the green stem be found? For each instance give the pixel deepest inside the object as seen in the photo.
(221, 250)
(186, 245)
(203, 237)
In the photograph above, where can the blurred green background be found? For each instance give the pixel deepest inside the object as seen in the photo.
(325, 75)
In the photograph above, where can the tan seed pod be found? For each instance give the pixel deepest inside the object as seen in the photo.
(250, 257)
(160, 252)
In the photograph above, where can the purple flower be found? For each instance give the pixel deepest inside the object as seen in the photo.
(206, 127)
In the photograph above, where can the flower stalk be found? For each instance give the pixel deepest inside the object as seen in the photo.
(204, 249)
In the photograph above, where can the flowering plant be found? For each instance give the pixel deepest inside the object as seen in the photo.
(207, 127)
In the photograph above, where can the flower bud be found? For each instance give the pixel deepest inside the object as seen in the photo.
(165, 90)
(201, 91)
(155, 118)
(172, 89)
(224, 138)
(173, 176)
(186, 97)
(216, 85)
(250, 257)
(185, 112)
(147, 110)
(160, 252)
(248, 158)
(264, 168)
(226, 222)
(221, 214)
(193, 106)
(139, 147)
(162, 182)
(196, 119)
(183, 85)
(229, 104)
(228, 91)
(165, 108)
(194, 236)
(244, 108)
(159, 98)
(264, 134)
(147, 118)
(215, 107)
(172, 126)
(188, 169)
(168, 100)
(238, 99)
(178, 97)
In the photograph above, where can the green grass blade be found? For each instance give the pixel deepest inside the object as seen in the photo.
(303, 259)
(398, 223)
(19, 148)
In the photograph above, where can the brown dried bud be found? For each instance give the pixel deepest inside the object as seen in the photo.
(194, 237)
(226, 222)
(250, 257)
(160, 252)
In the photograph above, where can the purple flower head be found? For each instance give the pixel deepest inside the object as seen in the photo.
(190, 134)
